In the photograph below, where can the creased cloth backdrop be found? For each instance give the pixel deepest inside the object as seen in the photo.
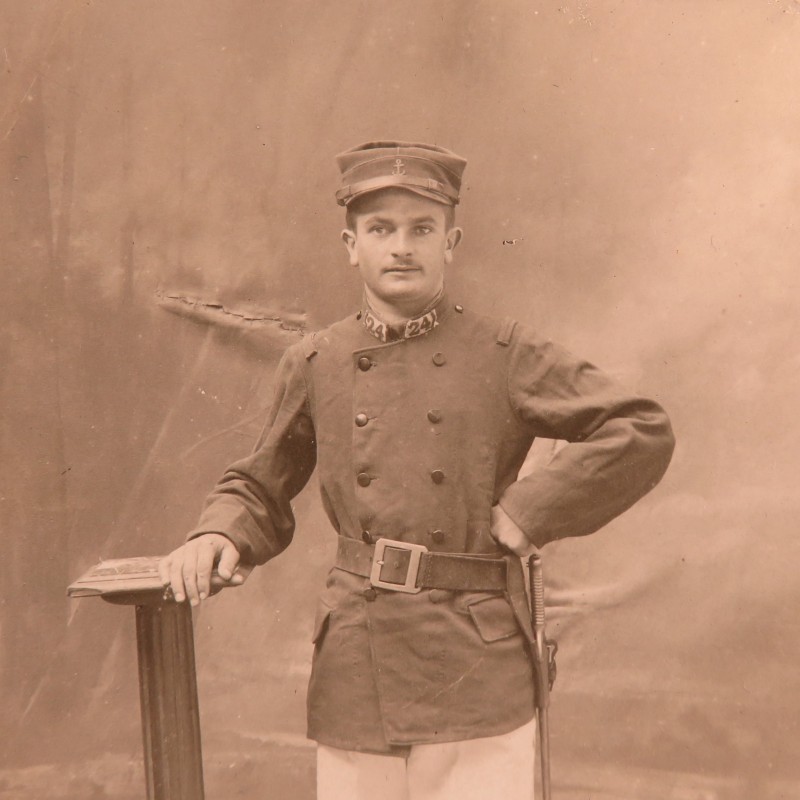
(168, 228)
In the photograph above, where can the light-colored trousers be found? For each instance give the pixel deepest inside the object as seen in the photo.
(493, 768)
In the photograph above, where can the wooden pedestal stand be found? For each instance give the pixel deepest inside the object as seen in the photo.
(167, 681)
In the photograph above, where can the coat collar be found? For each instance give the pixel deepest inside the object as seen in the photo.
(430, 318)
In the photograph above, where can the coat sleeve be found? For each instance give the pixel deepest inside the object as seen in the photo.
(619, 444)
(251, 503)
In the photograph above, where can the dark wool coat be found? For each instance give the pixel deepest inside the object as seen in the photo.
(415, 440)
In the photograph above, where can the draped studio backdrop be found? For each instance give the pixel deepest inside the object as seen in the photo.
(168, 228)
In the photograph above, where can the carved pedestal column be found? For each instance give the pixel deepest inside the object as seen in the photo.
(170, 712)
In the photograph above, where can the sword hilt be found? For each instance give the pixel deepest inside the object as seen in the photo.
(544, 650)
(537, 592)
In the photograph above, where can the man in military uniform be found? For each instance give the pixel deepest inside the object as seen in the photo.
(418, 414)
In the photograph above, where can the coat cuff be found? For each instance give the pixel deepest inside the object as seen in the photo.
(231, 521)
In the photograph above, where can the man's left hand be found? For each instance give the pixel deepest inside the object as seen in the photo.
(509, 534)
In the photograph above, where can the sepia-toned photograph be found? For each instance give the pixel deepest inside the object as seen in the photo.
(399, 400)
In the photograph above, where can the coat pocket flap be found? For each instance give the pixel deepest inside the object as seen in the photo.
(494, 618)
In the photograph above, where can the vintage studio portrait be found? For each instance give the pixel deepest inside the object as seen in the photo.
(398, 400)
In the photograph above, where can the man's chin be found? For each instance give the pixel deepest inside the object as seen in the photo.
(402, 289)
(405, 298)
(402, 283)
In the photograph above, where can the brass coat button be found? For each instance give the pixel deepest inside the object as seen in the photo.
(437, 476)
(363, 479)
(370, 594)
(459, 308)
(439, 359)
(367, 537)
(361, 420)
(434, 415)
(364, 363)
(437, 536)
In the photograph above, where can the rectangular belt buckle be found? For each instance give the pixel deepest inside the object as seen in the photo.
(378, 559)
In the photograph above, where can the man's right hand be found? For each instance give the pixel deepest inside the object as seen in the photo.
(187, 570)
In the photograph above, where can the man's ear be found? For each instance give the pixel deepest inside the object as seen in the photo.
(453, 238)
(349, 239)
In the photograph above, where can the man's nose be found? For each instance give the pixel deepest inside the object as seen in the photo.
(401, 245)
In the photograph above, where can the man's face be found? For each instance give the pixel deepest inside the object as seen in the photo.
(401, 245)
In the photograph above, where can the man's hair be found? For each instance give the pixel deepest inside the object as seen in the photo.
(353, 211)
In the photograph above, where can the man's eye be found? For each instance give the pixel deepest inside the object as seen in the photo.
(379, 229)
(424, 230)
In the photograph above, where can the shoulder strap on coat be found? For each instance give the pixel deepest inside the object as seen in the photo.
(506, 331)
(309, 347)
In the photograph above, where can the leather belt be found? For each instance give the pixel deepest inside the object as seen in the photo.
(406, 567)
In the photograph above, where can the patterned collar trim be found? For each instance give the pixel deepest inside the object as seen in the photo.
(418, 326)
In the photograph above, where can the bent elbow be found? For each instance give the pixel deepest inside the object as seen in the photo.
(659, 444)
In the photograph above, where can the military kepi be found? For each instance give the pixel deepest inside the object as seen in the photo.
(427, 169)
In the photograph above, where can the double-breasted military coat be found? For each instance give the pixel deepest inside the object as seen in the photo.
(416, 434)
